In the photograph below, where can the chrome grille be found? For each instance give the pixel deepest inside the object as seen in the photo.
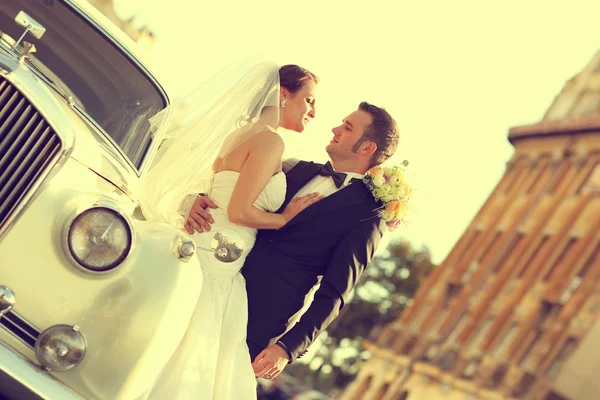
(19, 327)
(28, 148)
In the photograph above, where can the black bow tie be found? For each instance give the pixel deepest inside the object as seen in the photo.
(338, 177)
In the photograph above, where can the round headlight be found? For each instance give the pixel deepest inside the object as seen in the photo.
(60, 347)
(99, 239)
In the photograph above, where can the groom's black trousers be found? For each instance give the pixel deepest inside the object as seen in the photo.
(277, 285)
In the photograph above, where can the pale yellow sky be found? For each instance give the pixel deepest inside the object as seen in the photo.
(455, 75)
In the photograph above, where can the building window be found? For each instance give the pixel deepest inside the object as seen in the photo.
(573, 285)
(435, 328)
(541, 249)
(506, 341)
(491, 249)
(419, 317)
(473, 266)
(591, 181)
(558, 174)
(383, 391)
(524, 385)
(508, 251)
(563, 254)
(593, 258)
(447, 360)
(554, 396)
(548, 313)
(511, 175)
(363, 388)
(452, 291)
(409, 345)
(483, 330)
(498, 375)
(568, 347)
(542, 167)
(523, 169)
(457, 329)
(531, 341)
(468, 248)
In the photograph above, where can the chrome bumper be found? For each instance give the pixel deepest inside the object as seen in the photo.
(30, 378)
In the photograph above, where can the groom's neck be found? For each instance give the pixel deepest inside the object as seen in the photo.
(349, 166)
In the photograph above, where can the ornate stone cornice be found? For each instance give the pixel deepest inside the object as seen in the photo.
(589, 123)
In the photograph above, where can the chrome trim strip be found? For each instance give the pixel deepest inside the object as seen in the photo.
(17, 318)
(5, 69)
(20, 328)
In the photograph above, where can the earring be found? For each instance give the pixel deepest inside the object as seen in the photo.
(283, 102)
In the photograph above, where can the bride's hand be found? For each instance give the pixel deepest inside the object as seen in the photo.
(298, 204)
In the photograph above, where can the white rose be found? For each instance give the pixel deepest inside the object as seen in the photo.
(387, 215)
(378, 180)
(404, 190)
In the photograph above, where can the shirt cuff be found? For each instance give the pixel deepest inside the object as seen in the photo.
(287, 351)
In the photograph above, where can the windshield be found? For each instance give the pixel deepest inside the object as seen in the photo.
(103, 80)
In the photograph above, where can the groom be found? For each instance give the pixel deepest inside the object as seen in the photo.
(334, 238)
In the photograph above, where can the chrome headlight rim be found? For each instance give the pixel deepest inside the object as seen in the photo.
(39, 351)
(80, 211)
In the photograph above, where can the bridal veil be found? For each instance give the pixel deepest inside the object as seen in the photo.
(196, 129)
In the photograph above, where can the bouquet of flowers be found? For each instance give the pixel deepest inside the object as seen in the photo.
(389, 186)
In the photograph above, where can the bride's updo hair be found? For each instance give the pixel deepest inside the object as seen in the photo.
(293, 78)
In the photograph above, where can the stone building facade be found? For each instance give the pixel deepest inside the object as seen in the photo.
(512, 312)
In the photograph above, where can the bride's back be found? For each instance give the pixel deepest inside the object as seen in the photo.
(240, 146)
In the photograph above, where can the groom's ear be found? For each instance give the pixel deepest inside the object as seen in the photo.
(369, 148)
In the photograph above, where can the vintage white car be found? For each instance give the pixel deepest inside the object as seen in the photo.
(93, 299)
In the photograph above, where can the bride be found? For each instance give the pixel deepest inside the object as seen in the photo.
(242, 112)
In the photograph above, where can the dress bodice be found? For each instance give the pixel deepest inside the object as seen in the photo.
(223, 183)
(270, 199)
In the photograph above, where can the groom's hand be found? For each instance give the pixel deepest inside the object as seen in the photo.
(199, 218)
(270, 362)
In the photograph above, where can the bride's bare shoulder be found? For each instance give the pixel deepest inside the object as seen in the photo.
(268, 138)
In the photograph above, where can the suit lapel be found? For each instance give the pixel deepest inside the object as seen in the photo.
(354, 193)
(297, 177)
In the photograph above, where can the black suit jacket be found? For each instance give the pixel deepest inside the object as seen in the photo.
(334, 238)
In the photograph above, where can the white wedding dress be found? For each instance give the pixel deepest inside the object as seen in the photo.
(212, 361)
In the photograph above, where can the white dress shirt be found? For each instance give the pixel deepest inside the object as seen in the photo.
(321, 184)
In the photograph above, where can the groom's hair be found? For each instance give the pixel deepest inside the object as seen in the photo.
(293, 77)
(383, 131)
